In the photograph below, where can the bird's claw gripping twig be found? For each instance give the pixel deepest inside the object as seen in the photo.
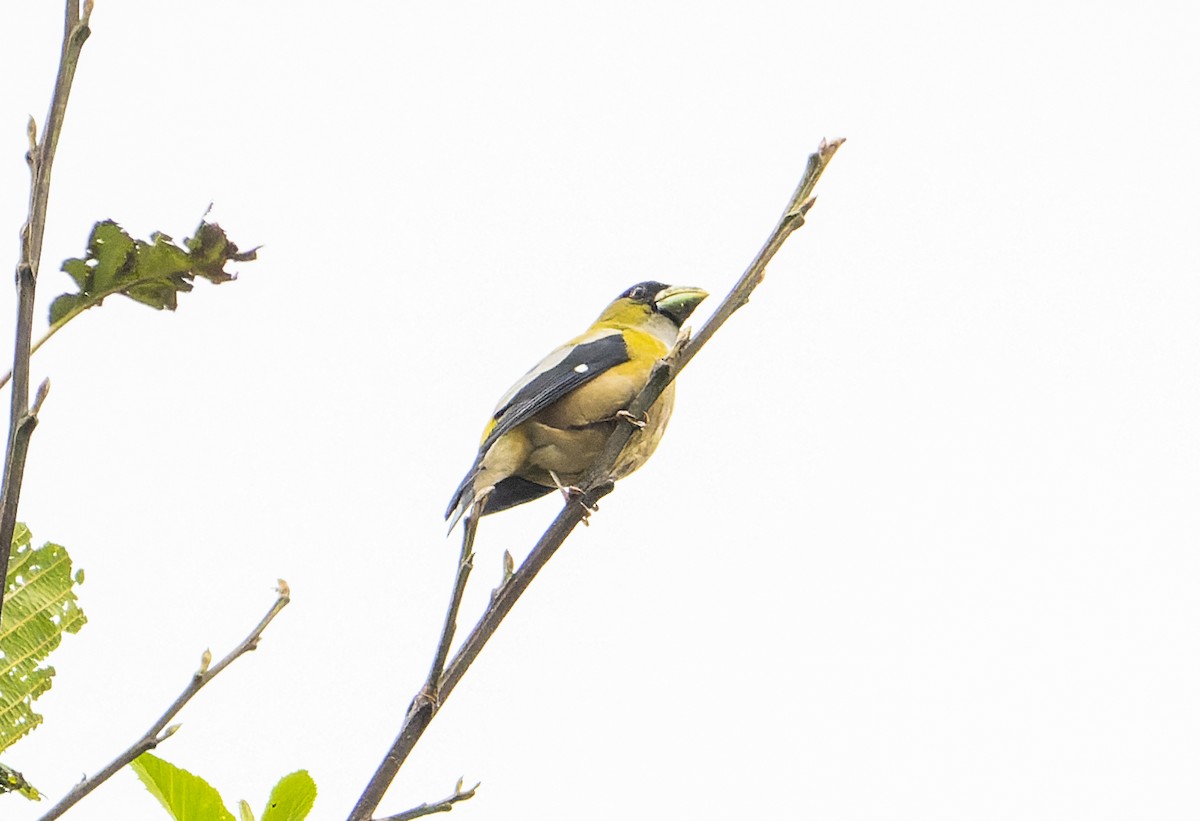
(637, 422)
(568, 492)
(572, 493)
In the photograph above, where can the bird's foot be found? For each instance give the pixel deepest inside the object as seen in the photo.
(572, 493)
(637, 422)
(568, 492)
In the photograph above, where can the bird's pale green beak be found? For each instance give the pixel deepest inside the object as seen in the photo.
(678, 301)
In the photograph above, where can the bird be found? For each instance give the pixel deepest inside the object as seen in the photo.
(548, 428)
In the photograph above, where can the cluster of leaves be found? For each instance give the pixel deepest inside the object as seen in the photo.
(153, 273)
(40, 606)
(186, 796)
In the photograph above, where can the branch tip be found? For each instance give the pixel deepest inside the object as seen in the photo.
(430, 808)
(829, 147)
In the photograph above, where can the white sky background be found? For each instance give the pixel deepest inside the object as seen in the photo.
(920, 543)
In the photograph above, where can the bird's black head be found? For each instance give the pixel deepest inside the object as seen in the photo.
(644, 292)
(674, 302)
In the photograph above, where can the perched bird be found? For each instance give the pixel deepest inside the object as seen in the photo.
(549, 427)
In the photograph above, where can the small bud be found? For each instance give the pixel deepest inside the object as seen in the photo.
(42, 392)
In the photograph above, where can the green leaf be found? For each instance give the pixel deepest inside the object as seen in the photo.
(13, 781)
(113, 252)
(292, 798)
(185, 796)
(67, 304)
(153, 273)
(39, 607)
(244, 811)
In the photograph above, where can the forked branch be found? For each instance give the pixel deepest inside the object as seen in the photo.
(445, 805)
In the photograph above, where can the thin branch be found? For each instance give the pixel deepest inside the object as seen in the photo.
(666, 371)
(445, 805)
(43, 339)
(41, 159)
(506, 596)
(466, 561)
(159, 731)
(422, 709)
(596, 484)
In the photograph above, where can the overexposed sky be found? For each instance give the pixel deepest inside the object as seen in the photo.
(921, 543)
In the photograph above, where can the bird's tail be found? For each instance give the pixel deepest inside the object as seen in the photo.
(504, 494)
(464, 497)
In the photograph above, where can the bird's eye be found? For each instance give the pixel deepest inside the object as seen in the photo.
(637, 293)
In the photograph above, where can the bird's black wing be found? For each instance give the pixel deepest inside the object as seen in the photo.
(552, 380)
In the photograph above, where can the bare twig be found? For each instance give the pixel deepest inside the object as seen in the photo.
(466, 561)
(42, 340)
(666, 371)
(445, 805)
(41, 159)
(422, 710)
(596, 484)
(160, 731)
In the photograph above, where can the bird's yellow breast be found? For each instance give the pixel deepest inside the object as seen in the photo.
(567, 437)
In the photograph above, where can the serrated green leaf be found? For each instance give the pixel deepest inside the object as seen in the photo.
(158, 294)
(153, 273)
(292, 798)
(79, 270)
(210, 249)
(113, 252)
(13, 781)
(160, 257)
(185, 796)
(39, 607)
(66, 304)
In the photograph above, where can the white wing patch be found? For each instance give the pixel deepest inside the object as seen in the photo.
(552, 360)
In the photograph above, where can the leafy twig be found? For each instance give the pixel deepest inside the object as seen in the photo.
(445, 805)
(153, 273)
(40, 158)
(159, 731)
(596, 484)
